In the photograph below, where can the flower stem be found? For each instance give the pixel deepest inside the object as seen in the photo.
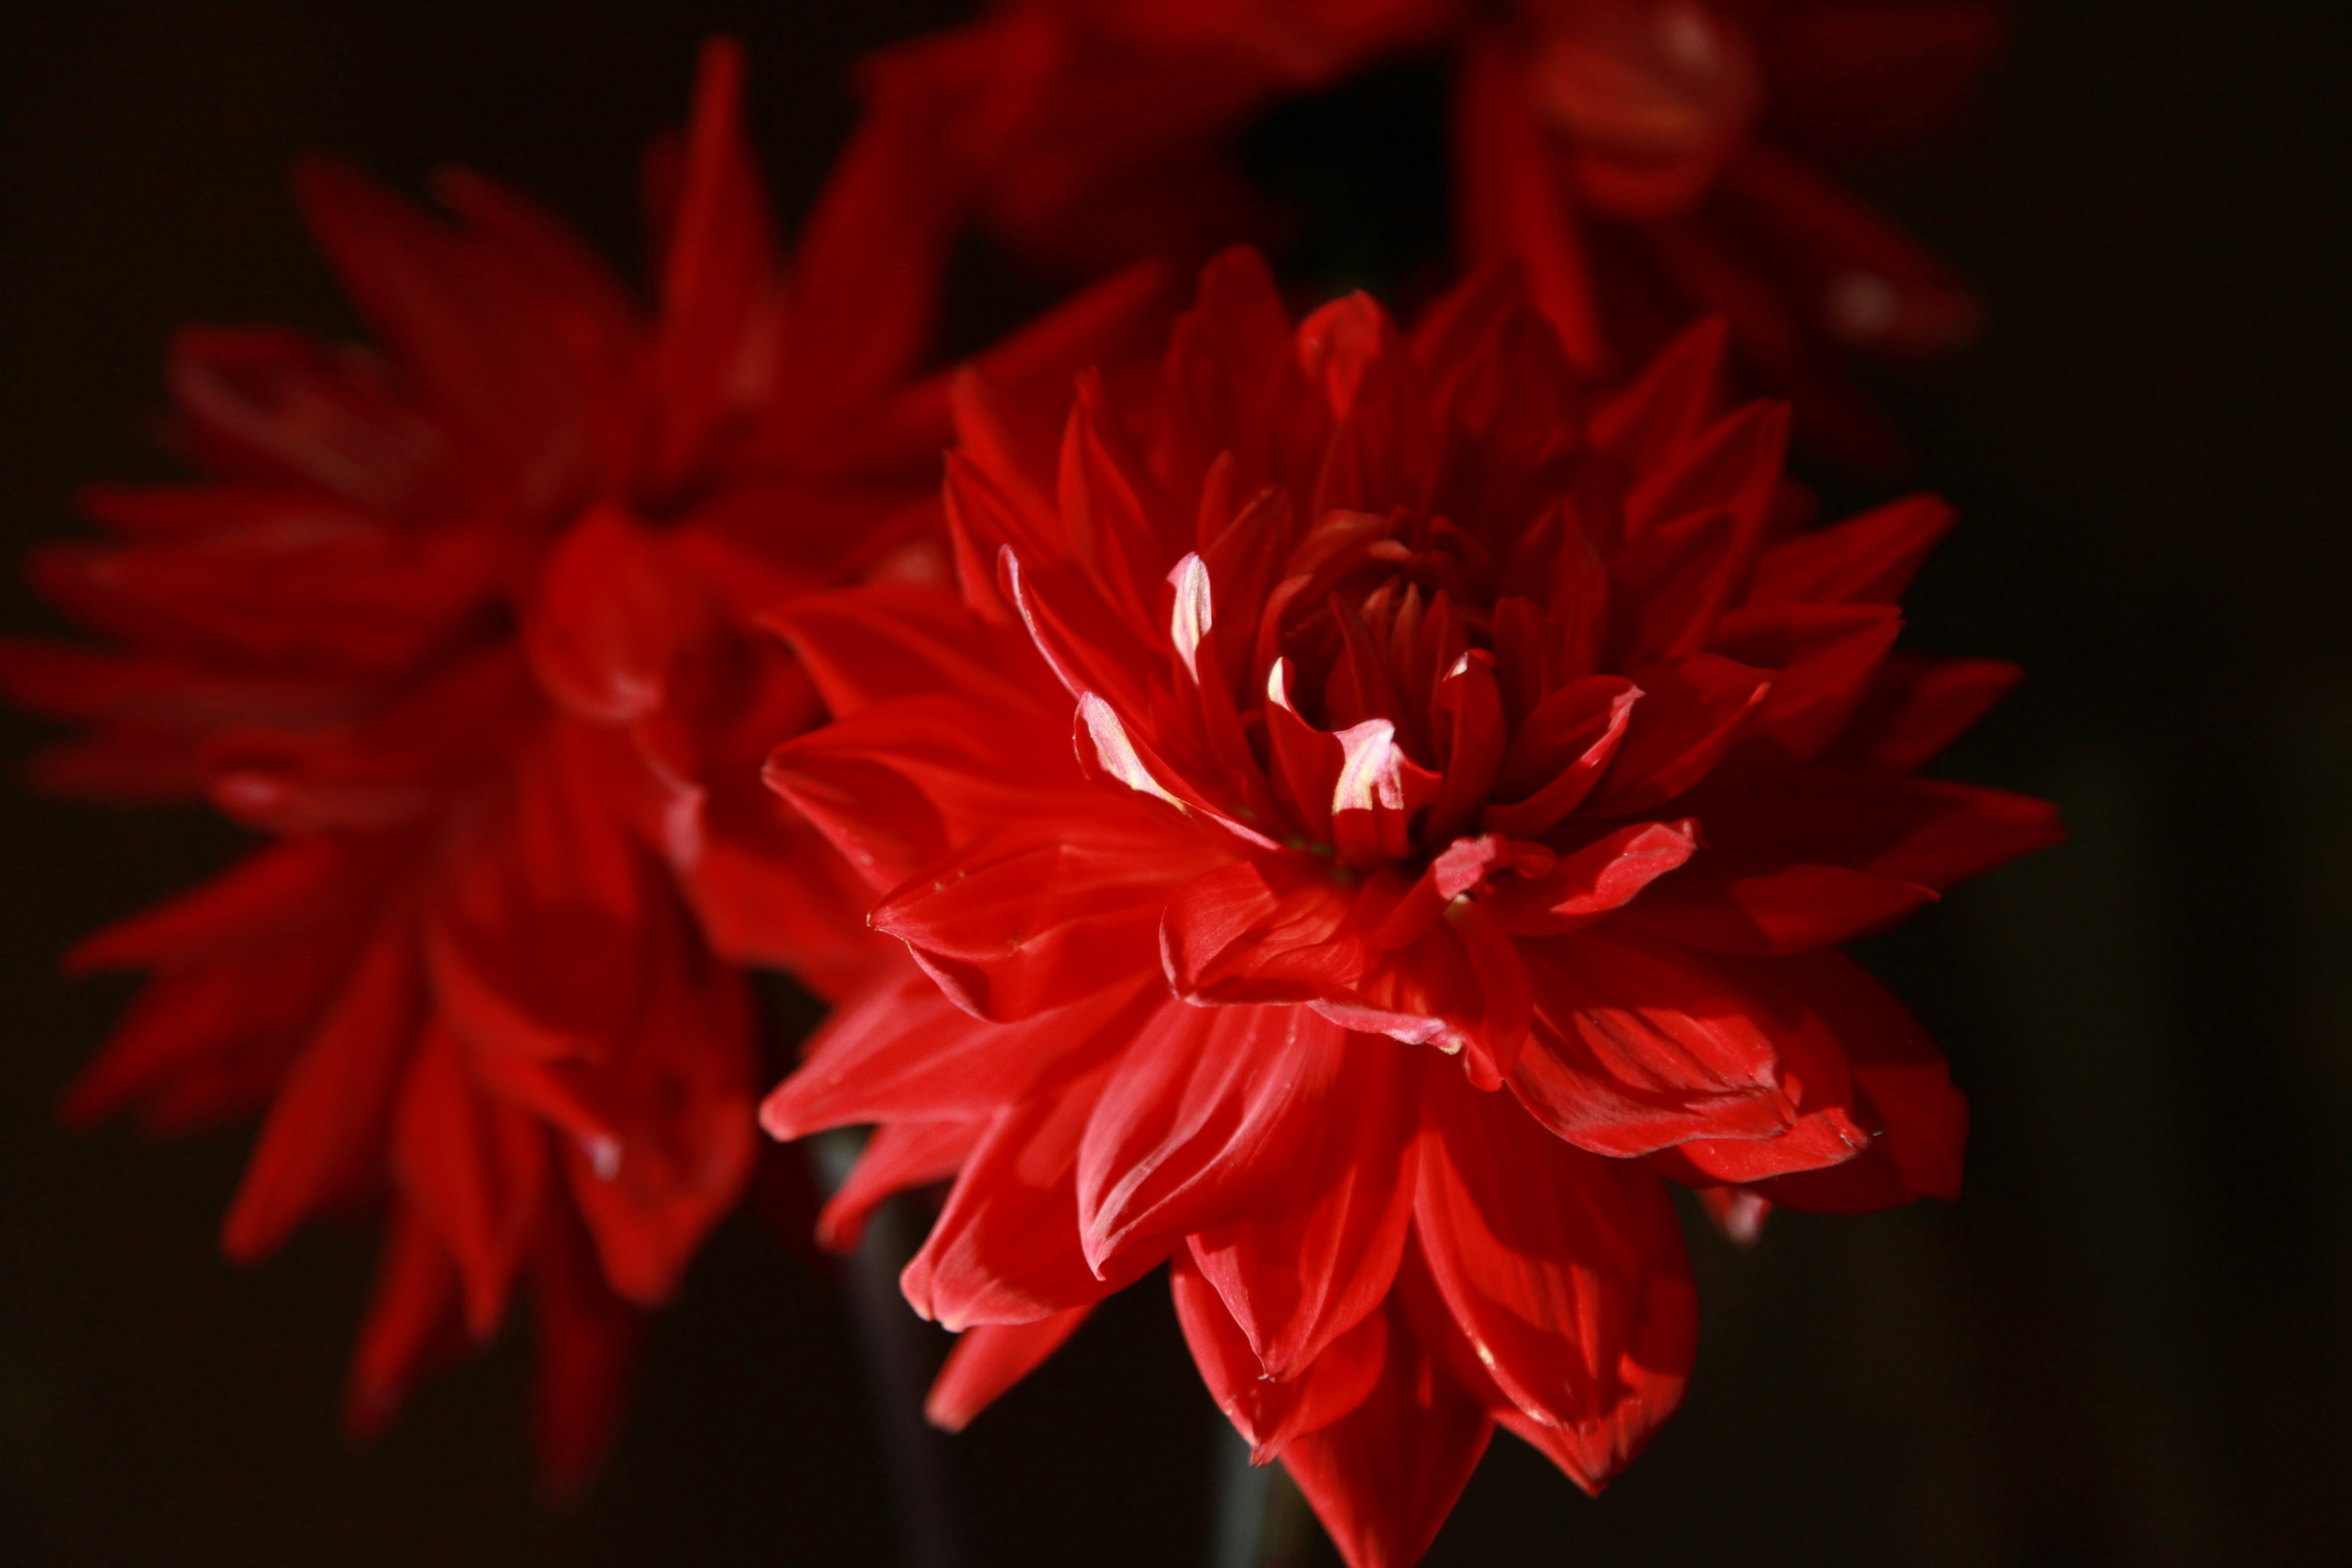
(1261, 1519)
(890, 1343)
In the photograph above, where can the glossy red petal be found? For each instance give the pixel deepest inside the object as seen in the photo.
(901, 1051)
(1199, 1116)
(1036, 915)
(1383, 1478)
(1005, 1248)
(1260, 929)
(1638, 1047)
(1566, 1271)
(1318, 1249)
(1268, 1410)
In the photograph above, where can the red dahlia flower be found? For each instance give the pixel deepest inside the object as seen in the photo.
(1470, 786)
(1645, 161)
(465, 629)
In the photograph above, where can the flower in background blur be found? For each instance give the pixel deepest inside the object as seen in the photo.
(1645, 161)
(465, 628)
(1471, 783)
(1650, 161)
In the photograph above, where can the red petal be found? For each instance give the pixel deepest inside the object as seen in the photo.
(1915, 707)
(1005, 1248)
(474, 1169)
(901, 1051)
(676, 1092)
(1202, 1113)
(1903, 1090)
(1736, 904)
(1866, 559)
(1567, 1272)
(1912, 830)
(614, 609)
(1558, 753)
(1036, 915)
(1316, 1254)
(988, 1358)
(1661, 410)
(324, 1138)
(1260, 929)
(1638, 1046)
(1825, 656)
(899, 784)
(1604, 876)
(1270, 1411)
(1691, 711)
(1383, 1478)
(880, 640)
(899, 1155)
(413, 1323)
(587, 1343)
(715, 339)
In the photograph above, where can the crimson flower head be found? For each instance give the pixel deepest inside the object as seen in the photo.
(1644, 161)
(463, 626)
(1471, 783)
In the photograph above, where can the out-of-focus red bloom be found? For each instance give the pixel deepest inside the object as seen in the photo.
(1470, 786)
(1089, 132)
(1645, 161)
(1648, 161)
(465, 628)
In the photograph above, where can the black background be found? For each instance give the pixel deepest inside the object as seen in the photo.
(2130, 1343)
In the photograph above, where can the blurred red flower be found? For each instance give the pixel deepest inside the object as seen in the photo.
(466, 630)
(1470, 784)
(1645, 161)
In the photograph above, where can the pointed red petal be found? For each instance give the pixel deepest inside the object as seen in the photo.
(475, 1169)
(988, 1358)
(325, 1133)
(1270, 1411)
(899, 1155)
(1383, 1478)
(1566, 1271)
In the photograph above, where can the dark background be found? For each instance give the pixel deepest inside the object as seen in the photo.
(2131, 1343)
